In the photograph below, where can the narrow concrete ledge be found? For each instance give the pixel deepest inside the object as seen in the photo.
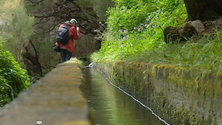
(55, 99)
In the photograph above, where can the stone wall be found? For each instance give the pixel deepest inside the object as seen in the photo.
(179, 95)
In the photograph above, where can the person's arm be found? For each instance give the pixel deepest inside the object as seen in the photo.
(75, 32)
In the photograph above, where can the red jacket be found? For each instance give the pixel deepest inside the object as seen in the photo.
(73, 34)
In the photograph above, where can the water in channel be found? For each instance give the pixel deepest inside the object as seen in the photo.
(110, 106)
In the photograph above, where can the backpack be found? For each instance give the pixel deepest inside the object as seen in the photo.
(62, 35)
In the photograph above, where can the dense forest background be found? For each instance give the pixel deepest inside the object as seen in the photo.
(181, 32)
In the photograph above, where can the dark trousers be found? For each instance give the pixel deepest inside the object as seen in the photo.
(65, 55)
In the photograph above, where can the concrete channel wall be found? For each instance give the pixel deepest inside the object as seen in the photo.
(179, 95)
(55, 99)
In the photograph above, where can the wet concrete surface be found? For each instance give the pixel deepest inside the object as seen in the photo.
(55, 99)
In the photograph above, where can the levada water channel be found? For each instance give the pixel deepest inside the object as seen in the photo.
(110, 105)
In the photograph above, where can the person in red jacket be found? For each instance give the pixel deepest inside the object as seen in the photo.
(68, 49)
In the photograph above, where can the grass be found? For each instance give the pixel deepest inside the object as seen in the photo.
(204, 54)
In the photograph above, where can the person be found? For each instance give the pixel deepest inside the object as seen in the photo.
(68, 49)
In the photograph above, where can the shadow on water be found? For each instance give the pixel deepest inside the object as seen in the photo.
(110, 106)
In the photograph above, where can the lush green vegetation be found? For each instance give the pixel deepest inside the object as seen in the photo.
(15, 27)
(135, 33)
(13, 79)
(100, 6)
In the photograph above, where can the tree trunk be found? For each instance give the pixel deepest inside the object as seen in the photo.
(31, 61)
(203, 9)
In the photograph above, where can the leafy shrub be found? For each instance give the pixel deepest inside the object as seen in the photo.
(13, 79)
(136, 26)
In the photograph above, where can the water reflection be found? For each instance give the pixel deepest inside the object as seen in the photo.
(110, 106)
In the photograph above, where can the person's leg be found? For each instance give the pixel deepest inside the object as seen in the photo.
(63, 55)
(68, 55)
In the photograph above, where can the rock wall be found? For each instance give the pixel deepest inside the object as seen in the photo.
(179, 95)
